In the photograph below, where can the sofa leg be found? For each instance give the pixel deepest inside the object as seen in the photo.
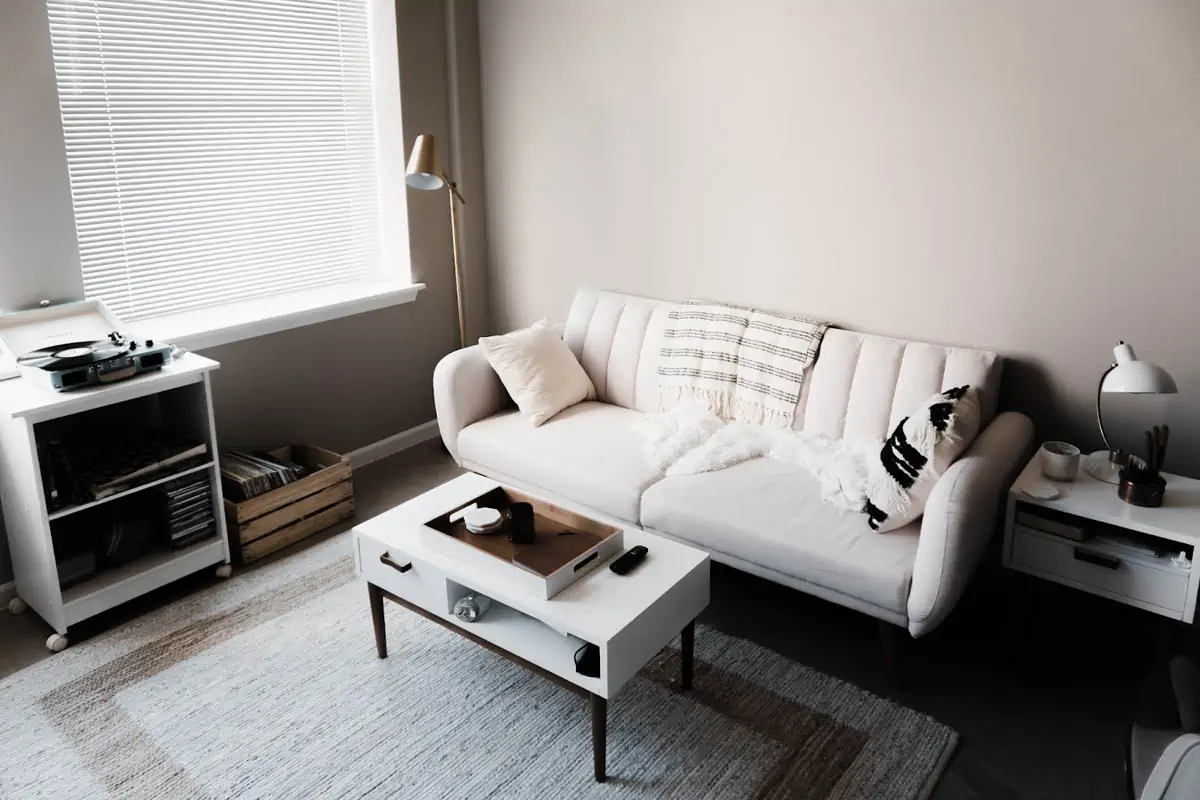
(891, 643)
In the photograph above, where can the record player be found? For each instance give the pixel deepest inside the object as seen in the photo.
(74, 345)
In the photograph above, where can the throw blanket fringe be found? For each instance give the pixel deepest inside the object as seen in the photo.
(691, 440)
(725, 406)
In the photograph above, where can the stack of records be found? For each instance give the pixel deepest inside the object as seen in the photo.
(188, 510)
(246, 475)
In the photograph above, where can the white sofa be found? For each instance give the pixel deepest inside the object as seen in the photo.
(764, 516)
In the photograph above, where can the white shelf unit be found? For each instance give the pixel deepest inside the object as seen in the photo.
(184, 387)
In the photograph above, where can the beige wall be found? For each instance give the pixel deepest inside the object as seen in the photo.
(1023, 176)
(353, 381)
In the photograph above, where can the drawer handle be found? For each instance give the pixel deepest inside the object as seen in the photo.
(387, 559)
(1108, 562)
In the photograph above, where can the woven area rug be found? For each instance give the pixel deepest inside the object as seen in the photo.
(268, 686)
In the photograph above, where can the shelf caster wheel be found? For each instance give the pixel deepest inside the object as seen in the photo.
(56, 643)
(17, 606)
(224, 571)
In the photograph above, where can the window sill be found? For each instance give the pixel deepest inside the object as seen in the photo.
(211, 327)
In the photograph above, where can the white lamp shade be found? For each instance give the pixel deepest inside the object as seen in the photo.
(424, 181)
(423, 171)
(1139, 377)
(1132, 376)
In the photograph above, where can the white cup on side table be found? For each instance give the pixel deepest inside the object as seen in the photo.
(1059, 460)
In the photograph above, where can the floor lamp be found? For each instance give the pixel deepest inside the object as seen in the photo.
(424, 173)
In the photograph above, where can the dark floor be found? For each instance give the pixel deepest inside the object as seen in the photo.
(1036, 678)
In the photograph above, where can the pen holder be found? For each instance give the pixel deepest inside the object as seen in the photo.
(1147, 494)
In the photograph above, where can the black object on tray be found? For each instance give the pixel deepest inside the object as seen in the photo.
(520, 524)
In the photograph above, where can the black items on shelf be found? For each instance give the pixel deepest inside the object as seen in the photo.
(88, 466)
(187, 509)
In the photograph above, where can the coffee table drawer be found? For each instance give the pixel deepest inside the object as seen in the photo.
(406, 577)
(1100, 568)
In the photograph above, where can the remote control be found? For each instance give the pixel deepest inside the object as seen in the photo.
(626, 563)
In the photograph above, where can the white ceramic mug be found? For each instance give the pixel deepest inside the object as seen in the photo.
(1060, 461)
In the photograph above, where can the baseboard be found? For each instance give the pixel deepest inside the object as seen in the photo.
(7, 592)
(393, 444)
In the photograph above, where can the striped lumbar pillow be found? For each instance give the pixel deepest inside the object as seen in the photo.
(922, 447)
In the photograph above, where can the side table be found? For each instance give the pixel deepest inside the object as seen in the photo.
(1129, 554)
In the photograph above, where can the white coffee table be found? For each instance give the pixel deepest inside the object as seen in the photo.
(629, 618)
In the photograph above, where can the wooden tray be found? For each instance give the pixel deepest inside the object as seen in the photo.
(567, 545)
(284, 516)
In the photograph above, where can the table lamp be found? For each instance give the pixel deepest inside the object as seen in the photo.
(423, 172)
(1127, 375)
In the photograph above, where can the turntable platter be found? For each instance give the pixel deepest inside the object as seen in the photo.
(72, 354)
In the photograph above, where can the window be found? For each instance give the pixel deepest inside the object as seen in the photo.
(226, 150)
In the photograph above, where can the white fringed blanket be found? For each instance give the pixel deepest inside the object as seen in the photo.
(741, 364)
(690, 439)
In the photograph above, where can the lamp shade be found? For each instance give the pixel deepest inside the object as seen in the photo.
(423, 171)
(1132, 376)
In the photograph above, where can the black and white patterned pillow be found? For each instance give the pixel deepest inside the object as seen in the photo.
(922, 447)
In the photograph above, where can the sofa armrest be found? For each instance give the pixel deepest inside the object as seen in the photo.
(465, 390)
(960, 517)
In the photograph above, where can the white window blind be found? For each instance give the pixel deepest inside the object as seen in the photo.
(219, 150)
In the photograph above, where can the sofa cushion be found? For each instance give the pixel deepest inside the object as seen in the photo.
(589, 453)
(771, 513)
(861, 384)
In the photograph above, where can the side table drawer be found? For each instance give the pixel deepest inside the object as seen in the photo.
(1107, 572)
(402, 575)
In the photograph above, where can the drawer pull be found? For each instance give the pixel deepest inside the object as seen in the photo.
(1108, 562)
(387, 559)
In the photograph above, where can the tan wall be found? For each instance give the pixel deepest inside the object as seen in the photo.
(1023, 176)
(347, 383)
(353, 381)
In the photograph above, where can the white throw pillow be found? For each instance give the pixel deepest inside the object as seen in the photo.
(539, 371)
(922, 447)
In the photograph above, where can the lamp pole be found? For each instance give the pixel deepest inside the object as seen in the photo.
(452, 193)
(423, 173)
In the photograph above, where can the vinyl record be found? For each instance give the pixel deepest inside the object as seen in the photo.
(72, 354)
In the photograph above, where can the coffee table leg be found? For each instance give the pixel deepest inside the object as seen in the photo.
(599, 735)
(376, 597)
(687, 646)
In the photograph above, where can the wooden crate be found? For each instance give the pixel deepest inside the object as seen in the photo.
(284, 516)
